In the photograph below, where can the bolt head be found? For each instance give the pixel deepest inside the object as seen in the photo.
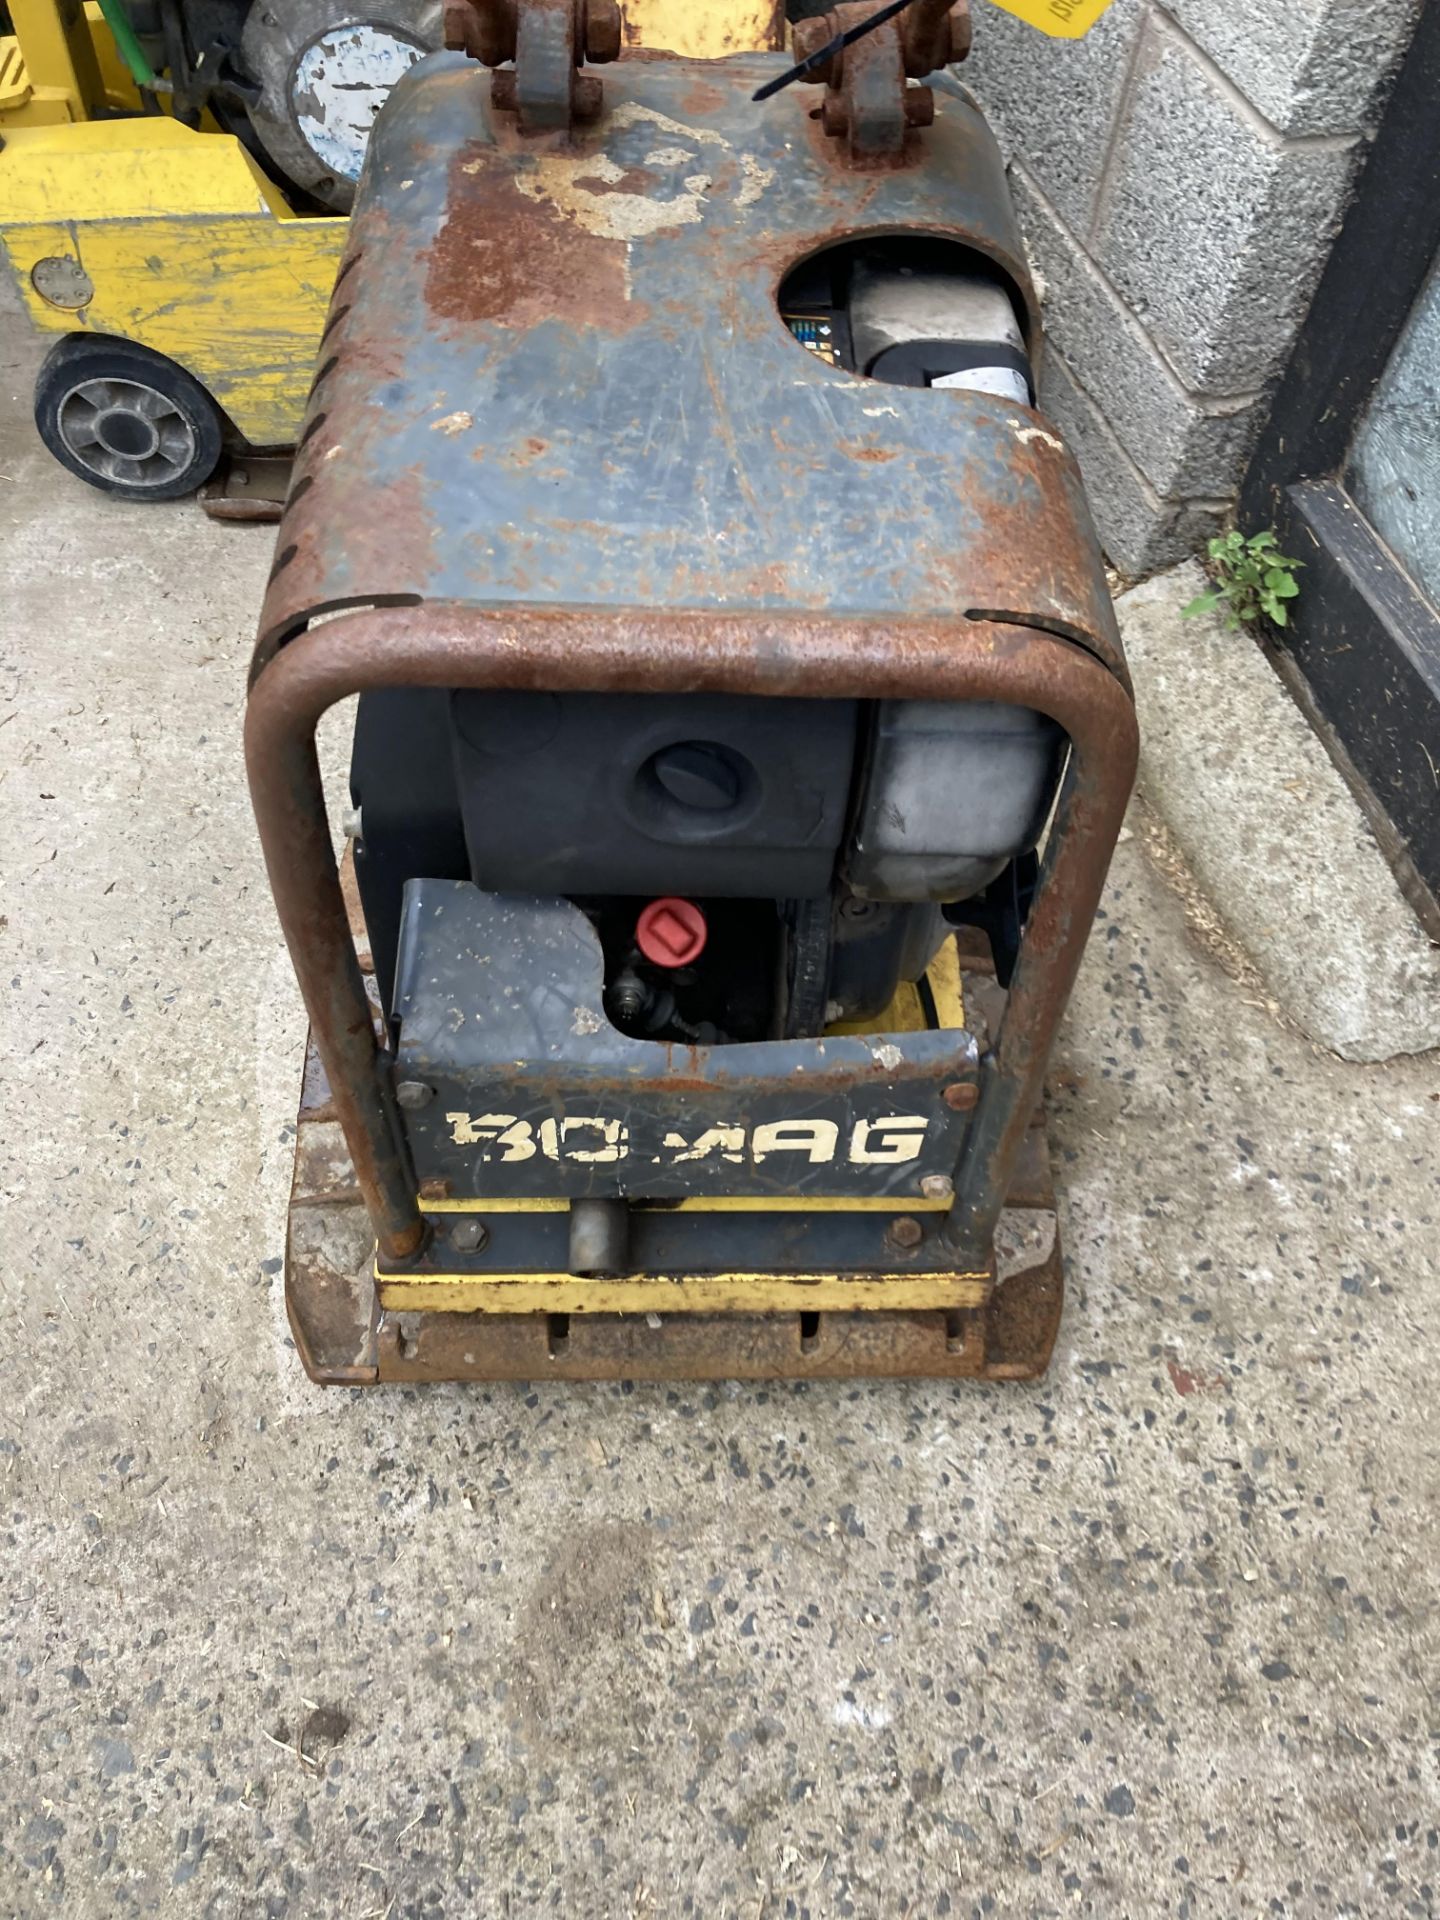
(938, 1186)
(919, 107)
(603, 31)
(414, 1094)
(468, 1235)
(961, 34)
(906, 1232)
(963, 1096)
(458, 25)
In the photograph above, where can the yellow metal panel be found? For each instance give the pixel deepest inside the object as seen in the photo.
(189, 252)
(129, 170)
(707, 31)
(22, 103)
(905, 1014)
(15, 87)
(115, 76)
(720, 1203)
(687, 1293)
(54, 38)
(947, 986)
(239, 304)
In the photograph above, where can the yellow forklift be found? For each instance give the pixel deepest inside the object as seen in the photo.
(186, 287)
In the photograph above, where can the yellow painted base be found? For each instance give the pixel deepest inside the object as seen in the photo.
(681, 1293)
(717, 1203)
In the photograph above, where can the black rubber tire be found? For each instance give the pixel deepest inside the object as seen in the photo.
(181, 418)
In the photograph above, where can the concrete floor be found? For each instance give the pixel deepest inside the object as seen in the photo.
(1157, 1637)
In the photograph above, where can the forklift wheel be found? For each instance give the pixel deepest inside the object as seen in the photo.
(127, 420)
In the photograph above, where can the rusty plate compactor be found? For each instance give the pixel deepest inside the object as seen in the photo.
(729, 632)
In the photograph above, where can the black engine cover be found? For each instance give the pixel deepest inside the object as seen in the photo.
(625, 794)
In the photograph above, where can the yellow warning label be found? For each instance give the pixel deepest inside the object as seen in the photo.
(1064, 19)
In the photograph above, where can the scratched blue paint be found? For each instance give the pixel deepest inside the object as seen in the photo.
(643, 430)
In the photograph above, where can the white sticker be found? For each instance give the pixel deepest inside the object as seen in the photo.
(341, 82)
(1006, 382)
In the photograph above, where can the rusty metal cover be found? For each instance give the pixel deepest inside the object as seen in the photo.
(556, 376)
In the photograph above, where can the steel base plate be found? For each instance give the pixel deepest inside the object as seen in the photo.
(346, 1339)
(345, 1336)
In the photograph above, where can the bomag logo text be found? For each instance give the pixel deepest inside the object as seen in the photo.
(594, 1141)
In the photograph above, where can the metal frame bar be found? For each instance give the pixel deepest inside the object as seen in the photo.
(775, 656)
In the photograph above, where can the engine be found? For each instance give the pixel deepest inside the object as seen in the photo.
(754, 869)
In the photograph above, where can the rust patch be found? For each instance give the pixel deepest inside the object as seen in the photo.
(874, 454)
(1022, 1321)
(630, 180)
(702, 97)
(1185, 1383)
(505, 258)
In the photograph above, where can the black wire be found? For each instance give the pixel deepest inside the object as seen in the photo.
(830, 49)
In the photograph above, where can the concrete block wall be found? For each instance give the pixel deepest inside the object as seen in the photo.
(1181, 173)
